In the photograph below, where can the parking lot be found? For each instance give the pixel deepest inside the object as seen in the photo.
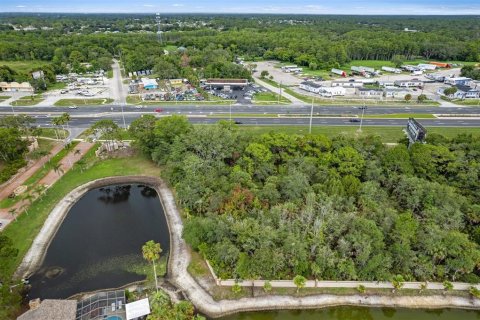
(240, 95)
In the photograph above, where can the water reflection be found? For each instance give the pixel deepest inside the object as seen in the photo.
(115, 194)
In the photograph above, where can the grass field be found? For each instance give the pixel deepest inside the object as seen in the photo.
(2, 98)
(24, 66)
(400, 116)
(387, 134)
(82, 102)
(268, 98)
(28, 100)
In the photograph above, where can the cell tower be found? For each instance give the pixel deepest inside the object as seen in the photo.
(159, 30)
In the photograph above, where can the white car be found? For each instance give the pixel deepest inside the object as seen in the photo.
(73, 107)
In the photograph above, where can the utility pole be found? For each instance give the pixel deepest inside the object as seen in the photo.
(311, 118)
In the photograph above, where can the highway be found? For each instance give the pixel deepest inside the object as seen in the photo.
(84, 117)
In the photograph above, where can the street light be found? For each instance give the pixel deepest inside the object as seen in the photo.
(361, 119)
(311, 118)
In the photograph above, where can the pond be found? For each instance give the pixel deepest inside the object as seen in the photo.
(99, 244)
(359, 313)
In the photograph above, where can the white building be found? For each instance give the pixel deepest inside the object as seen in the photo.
(370, 92)
(347, 83)
(409, 83)
(15, 86)
(398, 93)
(426, 66)
(310, 86)
(332, 91)
(454, 81)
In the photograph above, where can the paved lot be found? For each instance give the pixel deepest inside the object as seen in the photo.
(287, 79)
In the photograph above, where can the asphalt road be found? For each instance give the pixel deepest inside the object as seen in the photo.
(273, 109)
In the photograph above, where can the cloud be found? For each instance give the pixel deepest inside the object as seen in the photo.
(20, 6)
(148, 5)
(314, 7)
(178, 5)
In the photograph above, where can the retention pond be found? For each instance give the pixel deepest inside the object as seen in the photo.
(99, 244)
(359, 313)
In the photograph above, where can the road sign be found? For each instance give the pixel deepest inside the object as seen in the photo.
(415, 131)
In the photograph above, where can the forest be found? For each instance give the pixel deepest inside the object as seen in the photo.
(208, 44)
(275, 206)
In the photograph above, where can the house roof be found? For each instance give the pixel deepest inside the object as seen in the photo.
(311, 84)
(464, 88)
(52, 310)
(15, 85)
(370, 89)
(149, 82)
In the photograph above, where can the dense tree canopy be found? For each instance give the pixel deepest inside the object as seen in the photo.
(275, 206)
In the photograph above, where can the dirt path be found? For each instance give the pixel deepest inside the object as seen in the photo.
(49, 179)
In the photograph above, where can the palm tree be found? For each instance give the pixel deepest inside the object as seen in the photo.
(300, 282)
(57, 168)
(151, 252)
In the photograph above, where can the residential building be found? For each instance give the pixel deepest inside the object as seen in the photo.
(463, 92)
(454, 81)
(386, 83)
(225, 84)
(347, 83)
(15, 86)
(310, 86)
(369, 92)
(409, 83)
(398, 93)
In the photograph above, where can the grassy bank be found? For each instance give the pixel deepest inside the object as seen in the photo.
(135, 99)
(82, 102)
(387, 134)
(24, 231)
(2, 98)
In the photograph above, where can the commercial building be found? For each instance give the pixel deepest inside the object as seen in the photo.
(149, 84)
(225, 84)
(463, 92)
(291, 68)
(16, 87)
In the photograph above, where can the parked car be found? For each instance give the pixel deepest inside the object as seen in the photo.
(159, 110)
(63, 91)
(73, 107)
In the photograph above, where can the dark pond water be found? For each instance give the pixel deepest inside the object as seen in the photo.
(360, 313)
(99, 244)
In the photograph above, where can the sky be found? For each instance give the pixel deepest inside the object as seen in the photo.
(403, 7)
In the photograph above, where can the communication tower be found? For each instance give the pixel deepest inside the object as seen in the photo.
(159, 29)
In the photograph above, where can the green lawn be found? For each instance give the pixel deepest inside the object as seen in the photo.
(4, 98)
(57, 86)
(82, 102)
(400, 116)
(23, 231)
(50, 133)
(467, 102)
(28, 100)
(388, 134)
(268, 98)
